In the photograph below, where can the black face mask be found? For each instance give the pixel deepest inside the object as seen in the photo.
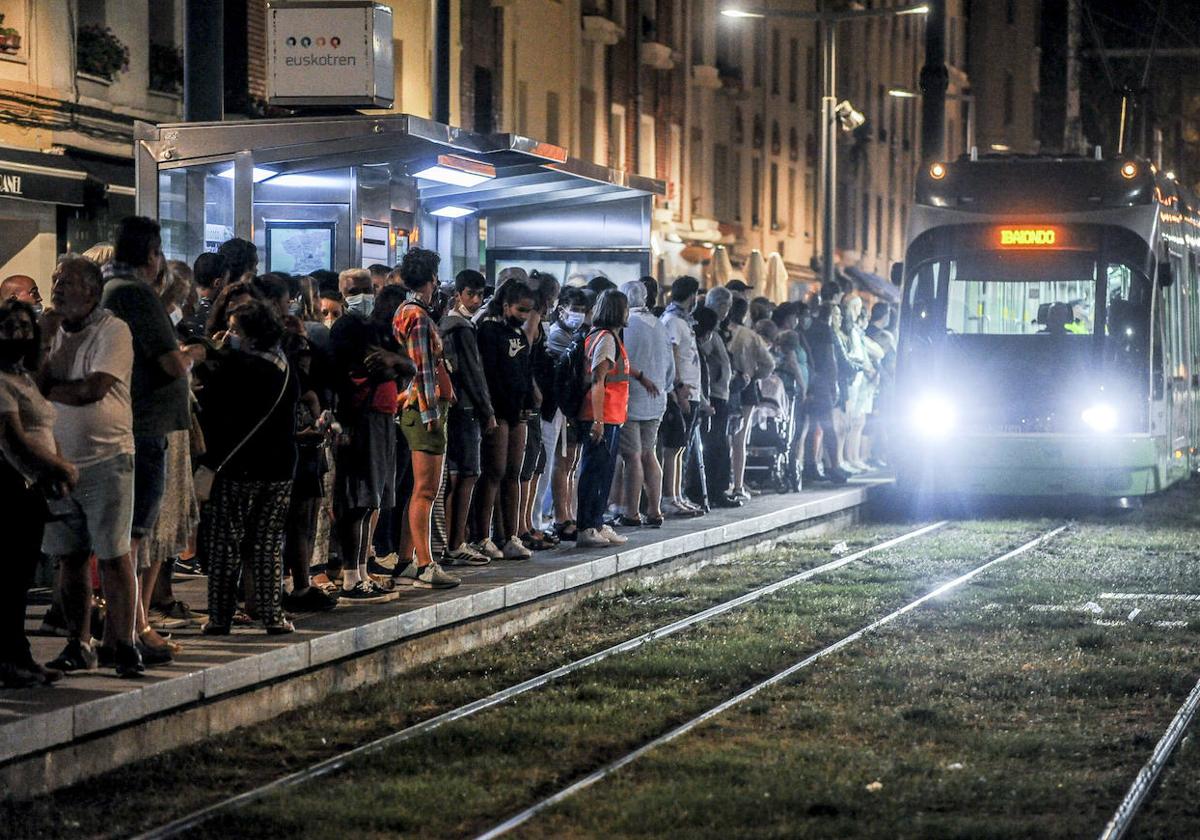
(13, 350)
(515, 322)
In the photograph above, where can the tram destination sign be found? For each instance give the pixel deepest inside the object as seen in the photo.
(1038, 237)
(326, 53)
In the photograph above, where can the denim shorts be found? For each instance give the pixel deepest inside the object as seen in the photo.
(149, 481)
(463, 439)
(97, 516)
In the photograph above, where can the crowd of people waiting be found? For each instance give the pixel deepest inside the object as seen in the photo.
(310, 441)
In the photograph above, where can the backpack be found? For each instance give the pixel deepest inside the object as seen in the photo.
(572, 379)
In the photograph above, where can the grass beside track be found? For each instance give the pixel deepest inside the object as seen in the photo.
(983, 716)
(180, 781)
(464, 776)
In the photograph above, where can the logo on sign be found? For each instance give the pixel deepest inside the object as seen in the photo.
(320, 41)
(10, 184)
(1028, 237)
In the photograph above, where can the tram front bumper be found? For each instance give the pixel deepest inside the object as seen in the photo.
(1032, 465)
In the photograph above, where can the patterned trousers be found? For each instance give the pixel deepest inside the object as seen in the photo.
(243, 522)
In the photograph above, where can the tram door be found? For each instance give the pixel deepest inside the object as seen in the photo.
(1177, 370)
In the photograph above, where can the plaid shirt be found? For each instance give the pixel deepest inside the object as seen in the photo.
(416, 331)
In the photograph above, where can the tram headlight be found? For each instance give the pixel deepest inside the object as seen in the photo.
(933, 415)
(1101, 417)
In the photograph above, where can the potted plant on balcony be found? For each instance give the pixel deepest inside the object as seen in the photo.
(98, 52)
(10, 39)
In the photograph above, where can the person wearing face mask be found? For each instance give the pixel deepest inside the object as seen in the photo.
(468, 417)
(680, 418)
(159, 390)
(29, 466)
(369, 369)
(359, 294)
(605, 409)
(505, 335)
(573, 307)
(86, 376)
(330, 306)
(211, 273)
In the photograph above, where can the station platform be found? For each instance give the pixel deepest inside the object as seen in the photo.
(93, 722)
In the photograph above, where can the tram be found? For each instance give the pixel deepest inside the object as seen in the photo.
(1049, 331)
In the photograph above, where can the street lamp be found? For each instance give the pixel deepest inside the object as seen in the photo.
(829, 104)
(968, 98)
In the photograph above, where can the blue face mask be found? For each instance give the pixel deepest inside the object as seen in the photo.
(294, 307)
(572, 320)
(362, 303)
(233, 341)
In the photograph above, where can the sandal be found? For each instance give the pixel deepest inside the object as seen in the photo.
(535, 540)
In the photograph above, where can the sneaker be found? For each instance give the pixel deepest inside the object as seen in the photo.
(174, 613)
(514, 549)
(127, 660)
(311, 599)
(150, 655)
(488, 549)
(566, 531)
(366, 592)
(464, 555)
(407, 577)
(189, 568)
(383, 565)
(591, 538)
(54, 623)
(612, 536)
(837, 476)
(11, 676)
(432, 577)
(76, 656)
(741, 493)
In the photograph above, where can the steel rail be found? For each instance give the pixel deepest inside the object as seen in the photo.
(1152, 769)
(334, 763)
(596, 776)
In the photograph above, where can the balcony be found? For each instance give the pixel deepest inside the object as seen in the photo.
(706, 76)
(600, 30)
(656, 55)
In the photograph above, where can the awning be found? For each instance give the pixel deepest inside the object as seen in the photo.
(110, 177)
(874, 284)
(521, 171)
(36, 176)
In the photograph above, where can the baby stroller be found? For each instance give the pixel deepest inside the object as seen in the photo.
(770, 433)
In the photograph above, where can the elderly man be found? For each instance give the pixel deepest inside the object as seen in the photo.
(649, 347)
(87, 377)
(23, 288)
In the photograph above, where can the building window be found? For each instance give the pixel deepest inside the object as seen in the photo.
(735, 187)
(759, 58)
(793, 144)
(484, 121)
(647, 152)
(793, 200)
(890, 228)
(739, 127)
(755, 193)
(91, 13)
(774, 196)
(776, 60)
(1010, 12)
(552, 118)
(878, 225)
(793, 70)
(722, 190)
(814, 78)
(776, 139)
(810, 190)
(865, 213)
(616, 137)
(522, 107)
(1009, 106)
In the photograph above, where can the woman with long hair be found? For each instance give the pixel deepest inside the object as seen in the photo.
(509, 327)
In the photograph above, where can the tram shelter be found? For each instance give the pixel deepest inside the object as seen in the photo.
(336, 192)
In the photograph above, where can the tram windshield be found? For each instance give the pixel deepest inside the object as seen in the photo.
(1063, 294)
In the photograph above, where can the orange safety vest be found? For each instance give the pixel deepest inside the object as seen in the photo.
(616, 384)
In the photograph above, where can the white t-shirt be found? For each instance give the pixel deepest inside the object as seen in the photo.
(604, 349)
(20, 396)
(683, 340)
(89, 434)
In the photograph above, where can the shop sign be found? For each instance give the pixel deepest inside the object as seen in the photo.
(327, 53)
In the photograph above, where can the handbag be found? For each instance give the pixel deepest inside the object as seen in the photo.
(203, 478)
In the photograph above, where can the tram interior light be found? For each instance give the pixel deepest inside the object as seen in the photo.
(260, 174)
(933, 415)
(1100, 417)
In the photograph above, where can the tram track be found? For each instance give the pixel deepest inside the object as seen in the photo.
(628, 758)
(180, 826)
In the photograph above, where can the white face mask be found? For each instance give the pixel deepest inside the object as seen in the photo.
(572, 320)
(362, 303)
(176, 315)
